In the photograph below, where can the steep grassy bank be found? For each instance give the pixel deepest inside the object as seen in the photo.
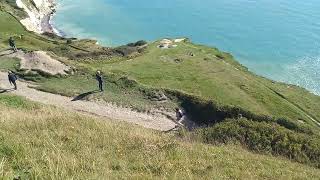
(45, 142)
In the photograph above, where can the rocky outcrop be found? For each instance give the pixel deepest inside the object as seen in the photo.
(39, 14)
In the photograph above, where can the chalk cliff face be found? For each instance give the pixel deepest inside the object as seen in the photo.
(39, 12)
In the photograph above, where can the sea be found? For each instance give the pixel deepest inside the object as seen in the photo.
(278, 39)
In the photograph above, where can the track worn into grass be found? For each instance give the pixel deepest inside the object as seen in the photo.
(153, 121)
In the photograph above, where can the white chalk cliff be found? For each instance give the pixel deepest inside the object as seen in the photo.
(39, 13)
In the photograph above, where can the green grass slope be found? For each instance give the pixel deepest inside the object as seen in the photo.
(206, 76)
(210, 75)
(279, 119)
(29, 41)
(213, 76)
(41, 142)
(10, 27)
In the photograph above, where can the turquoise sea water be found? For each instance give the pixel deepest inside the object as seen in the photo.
(279, 39)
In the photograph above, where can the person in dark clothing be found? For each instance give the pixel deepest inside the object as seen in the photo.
(100, 80)
(12, 44)
(12, 79)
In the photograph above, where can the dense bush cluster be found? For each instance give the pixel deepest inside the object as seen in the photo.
(267, 138)
(207, 113)
(131, 48)
(138, 43)
(260, 133)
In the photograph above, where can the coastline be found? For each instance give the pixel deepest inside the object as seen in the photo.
(39, 16)
(47, 26)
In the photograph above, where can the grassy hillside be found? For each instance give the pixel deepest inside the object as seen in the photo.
(210, 75)
(215, 90)
(206, 76)
(28, 41)
(37, 141)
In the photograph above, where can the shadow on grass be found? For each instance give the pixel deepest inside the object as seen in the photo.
(6, 90)
(6, 53)
(83, 95)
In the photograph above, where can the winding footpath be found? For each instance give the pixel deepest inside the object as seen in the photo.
(102, 109)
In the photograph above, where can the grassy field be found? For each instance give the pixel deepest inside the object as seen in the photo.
(45, 142)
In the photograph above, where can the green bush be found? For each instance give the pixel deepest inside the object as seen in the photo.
(138, 43)
(126, 50)
(266, 138)
(208, 113)
(294, 126)
(141, 43)
(69, 41)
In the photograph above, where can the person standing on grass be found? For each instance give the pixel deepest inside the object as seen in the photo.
(12, 44)
(12, 79)
(99, 78)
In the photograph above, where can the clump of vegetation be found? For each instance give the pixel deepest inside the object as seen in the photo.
(208, 113)
(138, 43)
(266, 138)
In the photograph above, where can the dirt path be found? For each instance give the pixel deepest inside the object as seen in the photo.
(157, 122)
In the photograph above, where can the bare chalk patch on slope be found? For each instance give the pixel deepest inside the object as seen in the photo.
(39, 61)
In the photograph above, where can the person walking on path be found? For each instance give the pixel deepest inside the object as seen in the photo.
(12, 44)
(12, 79)
(99, 78)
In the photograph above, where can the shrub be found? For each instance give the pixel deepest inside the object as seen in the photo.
(69, 41)
(138, 43)
(267, 138)
(125, 50)
(141, 43)
(125, 82)
(220, 56)
(131, 44)
(208, 113)
(294, 126)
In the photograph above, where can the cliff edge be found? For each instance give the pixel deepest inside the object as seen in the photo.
(39, 14)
